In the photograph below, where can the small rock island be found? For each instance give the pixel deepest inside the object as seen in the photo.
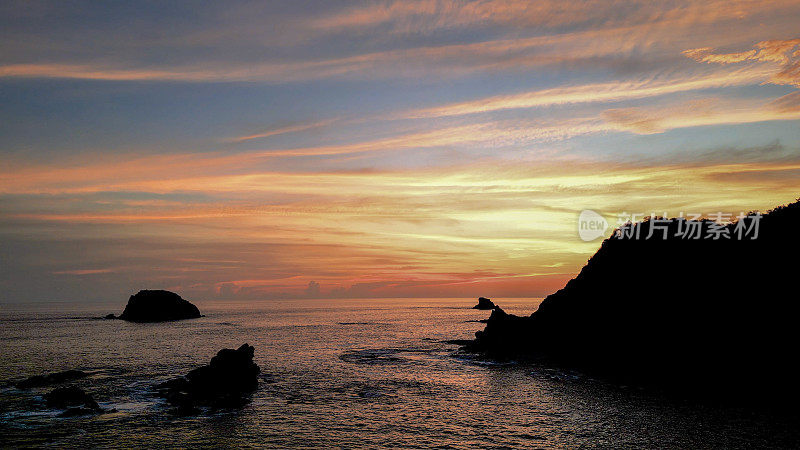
(484, 303)
(157, 306)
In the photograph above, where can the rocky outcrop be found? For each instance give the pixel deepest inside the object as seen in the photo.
(158, 306)
(73, 400)
(484, 303)
(711, 313)
(50, 378)
(224, 382)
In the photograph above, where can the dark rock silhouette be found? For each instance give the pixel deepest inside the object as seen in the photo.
(73, 399)
(110, 316)
(715, 316)
(51, 378)
(484, 303)
(224, 382)
(158, 306)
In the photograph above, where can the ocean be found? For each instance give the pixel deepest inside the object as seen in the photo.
(339, 373)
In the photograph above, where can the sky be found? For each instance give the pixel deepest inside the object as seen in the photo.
(339, 149)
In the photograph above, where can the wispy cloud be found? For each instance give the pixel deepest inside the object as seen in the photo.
(697, 113)
(425, 16)
(601, 92)
(783, 52)
(83, 272)
(283, 130)
(599, 34)
(789, 103)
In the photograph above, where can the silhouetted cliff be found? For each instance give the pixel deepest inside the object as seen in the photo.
(679, 311)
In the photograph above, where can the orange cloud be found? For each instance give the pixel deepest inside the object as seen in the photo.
(421, 16)
(392, 233)
(789, 103)
(776, 51)
(601, 32)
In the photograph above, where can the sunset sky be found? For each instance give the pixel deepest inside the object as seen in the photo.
(259, 150)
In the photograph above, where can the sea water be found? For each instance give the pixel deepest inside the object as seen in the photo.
(338, 373)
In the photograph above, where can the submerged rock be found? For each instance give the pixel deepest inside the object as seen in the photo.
(50, 378)
(224, 382)
(78, 411)
(158, 306)
(484, 303)
(71, 397)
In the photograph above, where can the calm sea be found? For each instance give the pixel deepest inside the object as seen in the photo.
(338, 373)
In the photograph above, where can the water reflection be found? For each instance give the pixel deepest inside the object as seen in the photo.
(339, 373)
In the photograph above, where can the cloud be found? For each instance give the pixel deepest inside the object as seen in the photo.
(255, 171)
(429, 59)
(635, 119)
(198, 171)
(500, 36)
(597, 92)
(790, 73)
(695, 113)
(405, 198)
(227, 290)
(83, 271)
(365, 230)
(778, 51)
(775, 176)
(789, 103)
(312, 290)
(283, 130)
(427, 16)
(705, 54)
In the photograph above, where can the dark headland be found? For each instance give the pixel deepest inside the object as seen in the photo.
(484, 303)
(157, 306)
(701, 315)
